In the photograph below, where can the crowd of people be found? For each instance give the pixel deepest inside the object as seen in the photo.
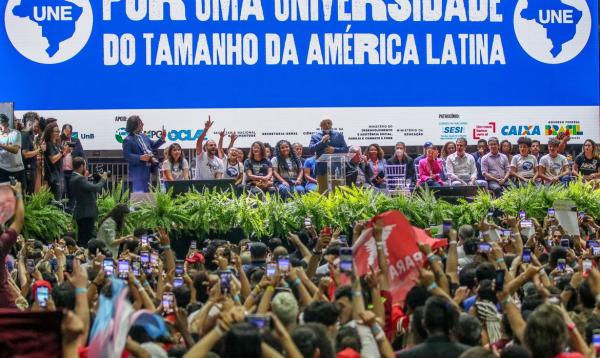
(39, 154)
(284, 169)
(505, 287)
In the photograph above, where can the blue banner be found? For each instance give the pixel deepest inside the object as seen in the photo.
(161, 54)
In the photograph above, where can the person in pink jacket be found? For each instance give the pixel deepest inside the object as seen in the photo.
(430, 168)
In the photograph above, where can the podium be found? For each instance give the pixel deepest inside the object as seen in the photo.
(331, 171)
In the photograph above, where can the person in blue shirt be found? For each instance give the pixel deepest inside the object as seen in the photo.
(309, 174)
(138, 151)
(327, 141)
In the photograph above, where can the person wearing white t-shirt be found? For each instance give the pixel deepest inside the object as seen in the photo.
(208, 164)
(554, 167)
(175, 166)
(461, 168)
(523, 166)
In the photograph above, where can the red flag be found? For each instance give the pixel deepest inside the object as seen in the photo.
(401, 250)
(423, 238)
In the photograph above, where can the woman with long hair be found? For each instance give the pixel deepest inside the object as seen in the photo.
(506, 149)
(447, 149)
(587, 165)
(375, 165)
(111, 226)
(259, 170)
(287, 170)
(175, 166)
(53, 157)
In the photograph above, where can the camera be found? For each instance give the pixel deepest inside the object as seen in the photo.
(96, 176)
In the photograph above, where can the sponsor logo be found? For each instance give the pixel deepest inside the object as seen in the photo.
(82, 136)
(484, 130)
(120, 135)
(48, 31)
(570, 129)
(552, 31)
(175, 135)
(520, 130)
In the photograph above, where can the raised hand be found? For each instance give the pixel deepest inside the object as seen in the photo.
(222, 133)
(208, 124)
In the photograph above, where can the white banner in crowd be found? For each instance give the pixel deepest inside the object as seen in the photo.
(105, 129)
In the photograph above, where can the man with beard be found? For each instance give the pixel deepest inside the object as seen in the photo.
(208, 164)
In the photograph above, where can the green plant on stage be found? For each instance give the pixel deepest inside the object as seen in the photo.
(278, 216)
(534, 200)
(164, 211)
(44, 221)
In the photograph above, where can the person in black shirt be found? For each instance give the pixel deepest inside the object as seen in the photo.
(30, 150)
(587, 164)
(259, 170)
(53, 159)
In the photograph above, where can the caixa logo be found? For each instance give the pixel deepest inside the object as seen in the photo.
(520, 130)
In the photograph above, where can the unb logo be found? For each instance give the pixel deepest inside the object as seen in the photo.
(120, 135)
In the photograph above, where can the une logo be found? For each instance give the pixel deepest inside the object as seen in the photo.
(48, 31)
(53, 13)
(556, 17)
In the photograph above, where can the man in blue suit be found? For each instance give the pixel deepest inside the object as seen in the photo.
(327, 141)
(138, 151)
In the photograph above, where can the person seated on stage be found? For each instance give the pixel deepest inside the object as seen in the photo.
(175, 166)
(523, 166)
(357, 169)
(234, 168)
(506, 149)
(401, 158)
(460, 166)
(536, 150)
(287, 170)
(553, 167)
(259, 170)
(208, 164)
(430, 169)
(268, 151)
(495, 168)
(299, 150)
(376, 165)
(586, 164)
(482, 149)
(309, 174)
(232, 138)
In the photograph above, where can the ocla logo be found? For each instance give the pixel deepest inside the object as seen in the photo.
(552, 31)
(48, 32)
(120, 135)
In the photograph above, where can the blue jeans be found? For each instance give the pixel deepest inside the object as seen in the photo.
(286, 191)
(310, 187)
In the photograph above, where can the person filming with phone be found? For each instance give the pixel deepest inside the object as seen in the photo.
(84, 193)
(8, 238)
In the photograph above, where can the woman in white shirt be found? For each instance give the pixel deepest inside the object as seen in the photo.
(175, 166)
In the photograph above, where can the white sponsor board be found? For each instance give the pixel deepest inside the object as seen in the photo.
(104, 129)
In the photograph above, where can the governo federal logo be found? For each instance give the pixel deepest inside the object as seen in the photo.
(553, 31)
(48, 31)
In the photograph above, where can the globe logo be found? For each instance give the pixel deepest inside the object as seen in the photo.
(121, 134)
(552, 31)
(48, 31)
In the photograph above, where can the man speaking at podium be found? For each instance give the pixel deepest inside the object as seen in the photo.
(327, 141)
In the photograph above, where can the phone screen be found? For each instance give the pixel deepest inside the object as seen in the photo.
(446, 227)
(179, 268)
(564, 243)
(284, 264)
(123, 268)
(136, 268)
(551, 212)
(144, 239)
(168, 302)
(109, 267)
(526, 224)
(271, 269)
(69, 263)
(30, 264)
(522, 214)
(154, 259)
(561, 265)
(596, 250)
(526, 256)
(145, 258)
(193, 245)
(42, 296)
(225, 280)
(484, 247)
(587, 265)
(261, 322)
(346, 259)
(178, 281)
